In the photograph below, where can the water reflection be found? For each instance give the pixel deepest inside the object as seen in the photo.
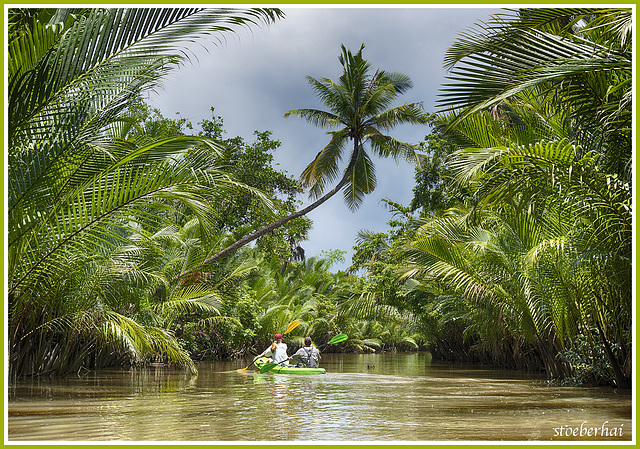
(396, 397)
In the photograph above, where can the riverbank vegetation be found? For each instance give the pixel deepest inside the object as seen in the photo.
(514, 252)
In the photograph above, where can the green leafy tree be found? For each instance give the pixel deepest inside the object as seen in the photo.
(142, 122)
(433, 191)
(252, 164)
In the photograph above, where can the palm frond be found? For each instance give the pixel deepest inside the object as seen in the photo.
(362, 180)
(325, 167)
(498, 63)
(316, 117)
(386, 146)
(412, 113)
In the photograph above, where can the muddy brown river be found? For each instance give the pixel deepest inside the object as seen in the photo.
(371, 397)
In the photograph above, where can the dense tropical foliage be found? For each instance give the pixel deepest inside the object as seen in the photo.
(537, 255)
(83, 197)
(127, 230)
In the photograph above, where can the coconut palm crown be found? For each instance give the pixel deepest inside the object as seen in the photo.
(358, 112)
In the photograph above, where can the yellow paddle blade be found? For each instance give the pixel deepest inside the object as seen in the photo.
(292, 326)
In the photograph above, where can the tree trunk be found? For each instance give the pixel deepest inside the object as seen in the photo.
(276, 224)
(621, 380)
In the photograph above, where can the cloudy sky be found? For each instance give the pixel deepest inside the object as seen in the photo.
(258, 75)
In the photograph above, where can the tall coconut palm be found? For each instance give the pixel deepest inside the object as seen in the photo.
(359, 113)
(77, 191)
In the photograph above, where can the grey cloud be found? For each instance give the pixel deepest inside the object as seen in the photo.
(255, 77)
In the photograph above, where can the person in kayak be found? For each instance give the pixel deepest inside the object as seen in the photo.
(309, 355)
(277, 352)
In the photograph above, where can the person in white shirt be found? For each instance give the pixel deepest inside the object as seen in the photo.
(277, 352)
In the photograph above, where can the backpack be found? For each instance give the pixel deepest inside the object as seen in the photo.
(312, 362)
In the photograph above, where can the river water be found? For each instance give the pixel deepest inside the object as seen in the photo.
(362, 398)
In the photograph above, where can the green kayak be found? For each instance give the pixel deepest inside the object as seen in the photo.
(289, 369)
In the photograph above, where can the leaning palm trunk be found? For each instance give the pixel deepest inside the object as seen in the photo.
(276, 224)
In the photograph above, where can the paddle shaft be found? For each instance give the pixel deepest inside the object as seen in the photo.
(252, 362)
